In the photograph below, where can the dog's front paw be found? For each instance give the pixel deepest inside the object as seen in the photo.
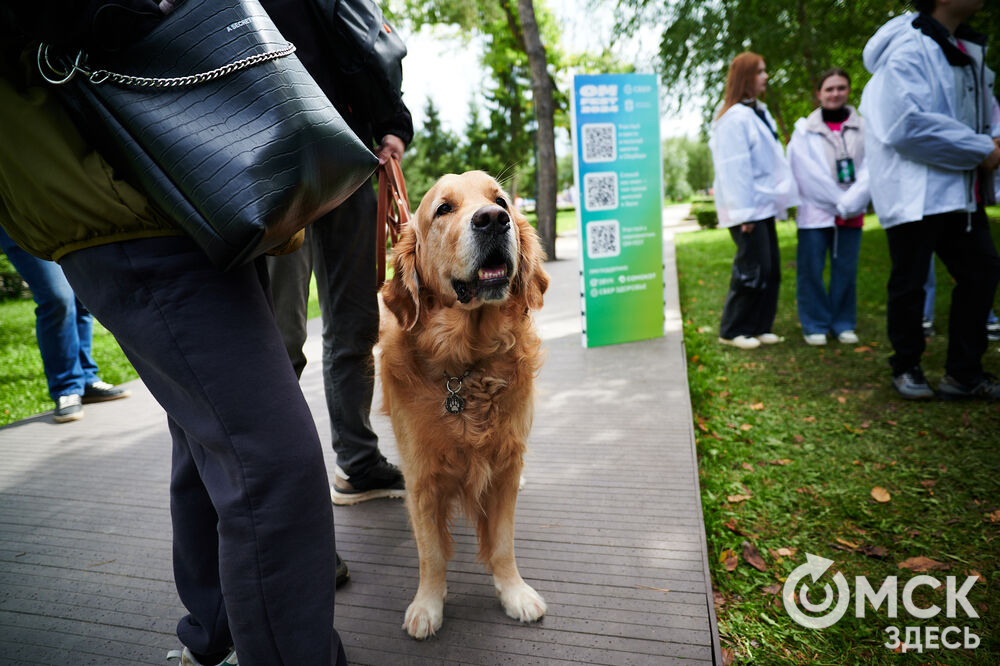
(423, 618)
(521, 602)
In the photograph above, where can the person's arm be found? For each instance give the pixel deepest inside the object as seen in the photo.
(816, 183)
(906, 120)
(390, 146)
(734, 170)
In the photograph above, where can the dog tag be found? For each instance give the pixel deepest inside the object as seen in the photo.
(454, 404)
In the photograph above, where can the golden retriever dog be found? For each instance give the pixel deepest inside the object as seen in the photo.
(459, 354)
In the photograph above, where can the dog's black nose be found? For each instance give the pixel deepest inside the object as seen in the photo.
(491, 219)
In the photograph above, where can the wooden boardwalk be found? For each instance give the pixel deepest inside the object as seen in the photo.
(609, 525)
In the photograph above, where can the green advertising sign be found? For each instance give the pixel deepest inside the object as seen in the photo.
(616, 150)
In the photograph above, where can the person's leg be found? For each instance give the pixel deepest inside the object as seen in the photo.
(844, 280)
(55, 319)
(972, 260)
(765, 236)
(205, 344)
(739, 313)
(290, 275)
(910, 247)
(343, 244)
(811, 297)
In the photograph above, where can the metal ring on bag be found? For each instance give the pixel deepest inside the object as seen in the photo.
(43, 57)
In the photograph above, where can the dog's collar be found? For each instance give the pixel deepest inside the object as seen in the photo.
(454, 403)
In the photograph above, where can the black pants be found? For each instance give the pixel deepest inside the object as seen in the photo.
(340, 249)
(254, 551)
(965, 246)
(752, 301)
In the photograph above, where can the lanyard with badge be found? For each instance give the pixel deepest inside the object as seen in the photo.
(845, 163)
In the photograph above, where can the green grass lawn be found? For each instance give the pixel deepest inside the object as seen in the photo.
(793, 439)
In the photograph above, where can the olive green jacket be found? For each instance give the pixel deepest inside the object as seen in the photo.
(57, 194)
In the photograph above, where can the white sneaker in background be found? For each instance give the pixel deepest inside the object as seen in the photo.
(815, 339)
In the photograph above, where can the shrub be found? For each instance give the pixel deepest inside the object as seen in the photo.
(11, 284)
(706, 215)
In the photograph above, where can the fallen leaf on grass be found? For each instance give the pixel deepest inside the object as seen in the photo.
(862, 349)
(849, 544)
(841, 399)
(785, 552)
(736, 499)
(780, 461)
(798, 438)
(654, 589)
(809, 419)
(757, 406)
(732, 526)
(729, 559)
(994, 516)
(973, 572)
(772, 589)
(746, 426)
(928, 483)
(922, 563)
(718, 599)
(747, 466)
(727, 656)
(881, 495)
(873, 551)
(752, 556)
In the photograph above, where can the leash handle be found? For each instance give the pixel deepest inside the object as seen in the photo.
(393, 211)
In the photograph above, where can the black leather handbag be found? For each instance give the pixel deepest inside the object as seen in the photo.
(214, 118)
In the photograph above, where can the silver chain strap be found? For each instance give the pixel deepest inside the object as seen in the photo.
(98, 76)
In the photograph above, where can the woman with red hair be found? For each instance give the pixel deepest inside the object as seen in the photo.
(753, 186)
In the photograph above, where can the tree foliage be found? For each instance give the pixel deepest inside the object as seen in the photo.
(797, 38)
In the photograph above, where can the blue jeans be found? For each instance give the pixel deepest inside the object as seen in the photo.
(63, 326)
(833, 309)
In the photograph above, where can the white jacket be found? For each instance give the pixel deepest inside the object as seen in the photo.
(921, 158)
(809, 152)
(752, 177)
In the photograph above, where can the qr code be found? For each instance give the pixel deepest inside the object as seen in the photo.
(600, 191)
(603, 239)
(599, 142)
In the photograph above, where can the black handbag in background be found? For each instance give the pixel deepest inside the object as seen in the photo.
(219, 124)
(372, 47)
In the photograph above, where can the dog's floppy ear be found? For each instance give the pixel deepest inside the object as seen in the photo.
(402, 293)
(531, 280)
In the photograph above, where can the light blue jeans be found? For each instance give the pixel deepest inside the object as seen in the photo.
(825, 309)
(63, 326)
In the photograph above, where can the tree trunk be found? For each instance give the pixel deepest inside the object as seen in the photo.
(542, 90)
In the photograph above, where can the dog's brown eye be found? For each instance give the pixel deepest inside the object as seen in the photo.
(443, 209)
(502, 202)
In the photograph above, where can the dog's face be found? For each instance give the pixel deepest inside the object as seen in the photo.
(467, 246)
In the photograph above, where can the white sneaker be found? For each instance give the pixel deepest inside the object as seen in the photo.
(741, 342)
(848, 338)
(770, 338)
(815, 339)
